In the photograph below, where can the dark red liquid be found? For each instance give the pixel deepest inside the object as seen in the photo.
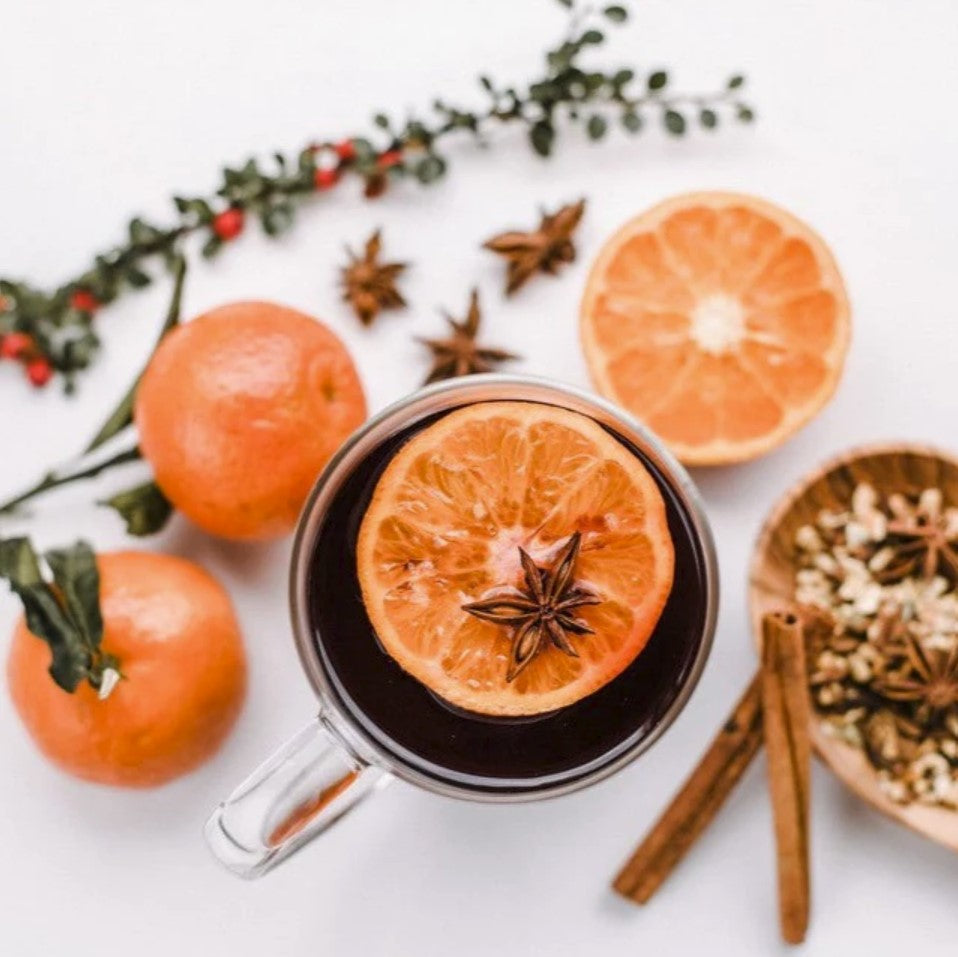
(495, 754)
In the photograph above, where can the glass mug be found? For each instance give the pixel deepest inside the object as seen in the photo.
(376, 723)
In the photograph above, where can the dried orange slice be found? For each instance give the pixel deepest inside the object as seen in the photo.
(448, 524)
(718, 319)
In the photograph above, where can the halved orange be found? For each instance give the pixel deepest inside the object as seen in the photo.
(444, 529)
(718, 319)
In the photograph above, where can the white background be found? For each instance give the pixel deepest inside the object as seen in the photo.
(108, 107)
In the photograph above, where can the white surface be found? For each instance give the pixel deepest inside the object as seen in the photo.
(108, 107)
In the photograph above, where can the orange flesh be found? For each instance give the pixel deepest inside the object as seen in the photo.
(444, 528)
(720, 320)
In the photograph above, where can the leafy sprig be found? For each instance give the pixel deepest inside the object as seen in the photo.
(144, 508)
(64, 612)
(50, 330)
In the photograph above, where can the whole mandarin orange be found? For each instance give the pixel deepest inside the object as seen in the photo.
(238, 412)
(172, 627)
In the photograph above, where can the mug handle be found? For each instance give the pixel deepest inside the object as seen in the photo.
(303, 789)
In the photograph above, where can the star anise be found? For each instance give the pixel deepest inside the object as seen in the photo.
(927, 678)
(542, 613)
(926, 534)
(543, 250)
(369, 285)
(459, 353)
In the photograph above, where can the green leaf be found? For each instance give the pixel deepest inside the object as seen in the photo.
(365, 151)
(79, 352)
(674, 122)
(76, 576)
(144, 509)
(632, 121)
(542, 136)
(46, 617)
(560, 58)
(596, 127)
(658, 80)
(381, 120)
(200, 209)
(306, 162)
(622, 77)
(142, 233)
(566, 3)
(708, 118)
(745, 114)
(430, 169)
(277, 219)
(211, 247)
(592, 36)
(594, 81)
(122, 415)
(734, 82)
(616, 14)
(136, 277)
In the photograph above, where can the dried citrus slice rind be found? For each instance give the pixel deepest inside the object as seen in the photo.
(720, 320)
(444, 528)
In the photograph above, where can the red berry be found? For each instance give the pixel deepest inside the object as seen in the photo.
(229, 223)
(84, 300)
(15, 344)
(325, 178)
(345, 150)
(389, 158)
(39, 371)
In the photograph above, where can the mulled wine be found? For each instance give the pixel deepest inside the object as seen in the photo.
(468, 749)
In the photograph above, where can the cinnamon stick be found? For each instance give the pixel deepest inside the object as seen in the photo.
(699, 800)
(787, 718)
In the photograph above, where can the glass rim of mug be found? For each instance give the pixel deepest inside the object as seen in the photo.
(446, 396)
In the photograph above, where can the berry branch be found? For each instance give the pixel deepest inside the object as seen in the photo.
(144, 508)
(54, 480)
(49, 331)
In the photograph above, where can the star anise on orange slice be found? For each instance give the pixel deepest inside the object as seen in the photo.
(543, 612)
(444, 527)
(369, 285)
(543, 250)
(459, 353)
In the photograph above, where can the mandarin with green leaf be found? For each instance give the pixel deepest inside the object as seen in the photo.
(169, 631)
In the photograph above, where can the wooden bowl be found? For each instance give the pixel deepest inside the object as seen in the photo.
(896, 467)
